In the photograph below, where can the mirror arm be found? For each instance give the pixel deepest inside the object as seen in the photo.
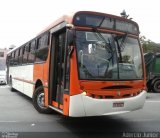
(70, 37)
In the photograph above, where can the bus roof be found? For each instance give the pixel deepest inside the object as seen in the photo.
(69, 19)
(65, 18)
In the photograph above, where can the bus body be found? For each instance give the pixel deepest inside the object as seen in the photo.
(88, 64)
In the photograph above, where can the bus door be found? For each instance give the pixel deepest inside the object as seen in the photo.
(56, 87)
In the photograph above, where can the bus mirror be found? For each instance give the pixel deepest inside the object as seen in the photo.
(70, 37)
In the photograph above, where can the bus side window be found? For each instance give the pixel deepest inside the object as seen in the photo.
(16, 57)
(42, 48)
(31, 52)
(20, 55)
(8, 61)
(62, 47)
(25, 53)
(12, 59)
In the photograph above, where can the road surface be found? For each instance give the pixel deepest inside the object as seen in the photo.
(18, 118)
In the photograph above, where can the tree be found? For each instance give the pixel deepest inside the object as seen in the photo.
(149, 46)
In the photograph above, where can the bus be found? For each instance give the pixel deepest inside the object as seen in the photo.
(85, 64)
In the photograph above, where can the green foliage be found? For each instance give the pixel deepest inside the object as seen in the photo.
(149, 46)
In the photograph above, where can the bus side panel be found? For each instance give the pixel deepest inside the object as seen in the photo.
(46, 102)
(66, 101)
(74, 83)
(38, 72)
(17, 78)
(45, 74)
(45, 78)
(28, 80)
(22, 79)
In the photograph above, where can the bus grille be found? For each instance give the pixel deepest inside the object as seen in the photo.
(113, 96)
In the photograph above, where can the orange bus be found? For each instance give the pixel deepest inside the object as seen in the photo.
(88, 64)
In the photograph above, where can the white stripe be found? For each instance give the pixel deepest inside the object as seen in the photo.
(152, 101)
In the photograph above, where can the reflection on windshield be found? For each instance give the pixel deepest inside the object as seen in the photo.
(96, 61)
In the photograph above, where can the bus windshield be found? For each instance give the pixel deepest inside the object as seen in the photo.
(106, 56)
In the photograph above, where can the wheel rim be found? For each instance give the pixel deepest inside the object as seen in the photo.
(40, 100)
(158, 85)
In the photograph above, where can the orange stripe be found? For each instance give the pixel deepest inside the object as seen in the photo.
(61, 107)
(46, 97)
(55, 104)
(66, 104)
(27, 81)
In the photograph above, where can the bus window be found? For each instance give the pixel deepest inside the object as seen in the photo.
(42, 49)
(16, 57)
(11, 60)
(31, 56)
(25, 53)
(20, 55)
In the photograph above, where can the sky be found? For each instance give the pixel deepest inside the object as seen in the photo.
(21, 20)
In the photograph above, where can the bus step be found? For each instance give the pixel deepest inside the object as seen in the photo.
(56, 109)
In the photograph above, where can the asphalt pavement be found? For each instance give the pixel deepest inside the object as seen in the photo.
(18, 118)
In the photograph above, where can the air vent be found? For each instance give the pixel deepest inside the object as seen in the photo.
(117, 87)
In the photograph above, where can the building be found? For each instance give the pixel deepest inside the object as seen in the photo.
(3, 55)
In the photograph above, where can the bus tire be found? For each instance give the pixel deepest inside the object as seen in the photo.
(156, 86)
(38, 101)
(149, 86)
(10, 84)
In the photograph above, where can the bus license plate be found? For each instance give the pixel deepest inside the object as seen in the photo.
(118, 104)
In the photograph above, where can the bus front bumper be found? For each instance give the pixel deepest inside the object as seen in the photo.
(81, 105)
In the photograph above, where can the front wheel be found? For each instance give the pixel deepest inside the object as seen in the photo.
(38, 101)
(156, 86)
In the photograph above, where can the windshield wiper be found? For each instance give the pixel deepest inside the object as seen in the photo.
(120, 46)
(101, 21)
(108, 45)
(122, 42)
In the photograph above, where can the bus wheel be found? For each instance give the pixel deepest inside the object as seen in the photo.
(10, 84)
(38, 101)
(156, 86)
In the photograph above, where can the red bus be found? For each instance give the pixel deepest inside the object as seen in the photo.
(87, 64)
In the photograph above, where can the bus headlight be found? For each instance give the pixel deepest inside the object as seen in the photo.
(84, 93)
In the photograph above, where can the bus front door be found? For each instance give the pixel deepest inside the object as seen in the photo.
(56, 88)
